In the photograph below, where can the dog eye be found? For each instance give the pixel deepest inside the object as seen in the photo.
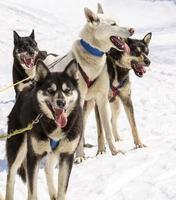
(68, 91)
(51, 91)
(22, 48)
(146, 52)
(137, 52)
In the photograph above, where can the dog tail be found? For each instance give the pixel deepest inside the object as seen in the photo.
(22, 173)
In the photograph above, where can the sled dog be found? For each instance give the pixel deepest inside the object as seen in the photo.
(99, 34)
(25, 55)
(54, 105)
(119, 65)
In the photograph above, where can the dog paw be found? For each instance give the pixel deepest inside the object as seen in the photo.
(88, 145)
(79, 160)
(101, 152)
(118, 139)
(53, 197)
(140, 145)
(117, 151)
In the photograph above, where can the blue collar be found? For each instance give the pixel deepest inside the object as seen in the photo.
(90, 49)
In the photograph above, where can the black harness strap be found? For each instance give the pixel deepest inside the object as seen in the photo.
(51, 65)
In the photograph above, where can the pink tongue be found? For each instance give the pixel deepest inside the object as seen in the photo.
(61, 118)
(29, 62)
(141, 69)
(126, 48)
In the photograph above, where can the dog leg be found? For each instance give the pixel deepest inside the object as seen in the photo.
(100, 133)
(105, 116)
(52, 161)
(32, 168)
(128, 106)
(80, 155)
(115, 109)
(65, 166)
(13, 167)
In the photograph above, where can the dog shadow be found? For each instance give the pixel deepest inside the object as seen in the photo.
(3, 165)
(6, 102)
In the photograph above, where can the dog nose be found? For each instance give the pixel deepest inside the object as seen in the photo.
(131, 30)
(61, 103)
(147, 62)
(31, 52)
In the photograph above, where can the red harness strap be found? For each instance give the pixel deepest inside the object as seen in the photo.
(89, 82)
(115, 90)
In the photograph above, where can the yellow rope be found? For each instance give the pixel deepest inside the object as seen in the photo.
(22, 130)
(12, 85)
(16, 132)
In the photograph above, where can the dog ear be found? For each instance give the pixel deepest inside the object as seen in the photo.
(42, 71)
(16, 37)
(99, 9)
(91, 17)
(72, 70)
(147, 38)
(32, 35)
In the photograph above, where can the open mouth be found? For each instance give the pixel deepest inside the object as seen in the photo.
(121, 46)
(139, 69)
(60, 117)
(28, 61)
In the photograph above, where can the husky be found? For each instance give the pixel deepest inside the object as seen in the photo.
(99, 34)
(25, 55)
(119, 65)
(54, 105)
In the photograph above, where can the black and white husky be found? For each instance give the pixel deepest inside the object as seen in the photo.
(55, 99)
(25, 55)
(119, 65)
(99, 34)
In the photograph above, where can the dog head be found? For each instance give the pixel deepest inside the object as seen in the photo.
(57, 93)
(102, 32)
(138, 57)
(25, 50)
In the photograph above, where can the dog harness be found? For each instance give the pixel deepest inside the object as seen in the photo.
(92, 50)
(89, 82)
(115, 90)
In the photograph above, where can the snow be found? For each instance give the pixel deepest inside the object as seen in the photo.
(147, 174)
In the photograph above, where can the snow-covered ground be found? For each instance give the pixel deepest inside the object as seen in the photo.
(143, 174)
